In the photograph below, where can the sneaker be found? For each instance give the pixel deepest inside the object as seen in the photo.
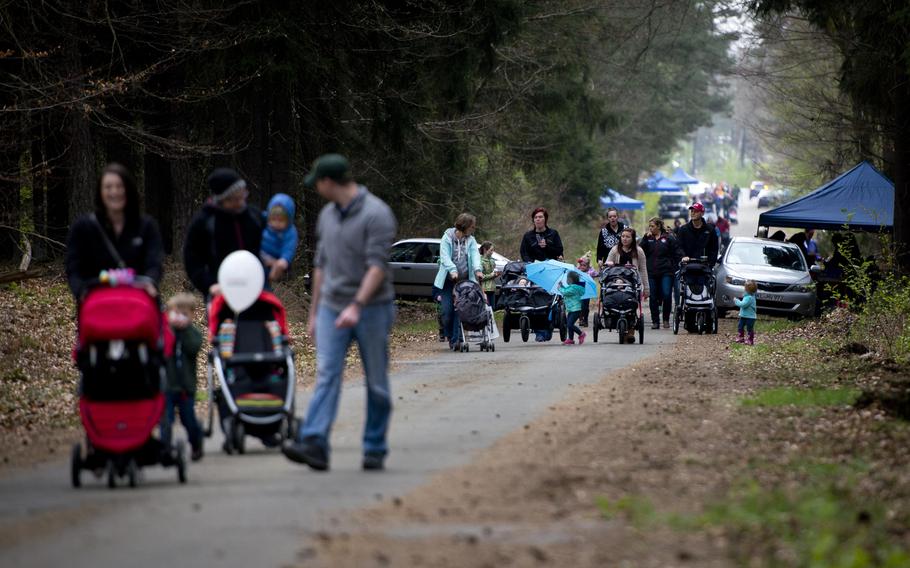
(569, 342)
(308, 453)
(655, 325)
(666, 324)
(373, 461)
(581, 338)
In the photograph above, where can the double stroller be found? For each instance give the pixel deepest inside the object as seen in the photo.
(475, 316)
(620, 303)
(121, 355)
(528, 306)
(253, 365)
(695, 311)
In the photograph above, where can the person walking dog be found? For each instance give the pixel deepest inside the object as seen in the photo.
(352, 301)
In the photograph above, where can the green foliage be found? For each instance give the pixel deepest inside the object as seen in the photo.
(791, 396)
(637, 509)
(822, 522)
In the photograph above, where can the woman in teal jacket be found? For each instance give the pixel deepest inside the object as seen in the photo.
(459, 259)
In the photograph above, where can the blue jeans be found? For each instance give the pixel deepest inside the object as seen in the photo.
(574, 330)
(372, 336)
(451, 325)
(747, 324)
(184, 405)
(661, 296)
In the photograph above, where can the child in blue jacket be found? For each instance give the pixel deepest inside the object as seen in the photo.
(279, 238)
(747, 313)
(572, 294)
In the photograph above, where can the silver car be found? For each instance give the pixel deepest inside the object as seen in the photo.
(785, 286)
(414, 264)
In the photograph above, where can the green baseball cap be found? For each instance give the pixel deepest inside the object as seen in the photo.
(334, 166)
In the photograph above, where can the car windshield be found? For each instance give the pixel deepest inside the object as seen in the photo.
(764, 254)
(674, 198)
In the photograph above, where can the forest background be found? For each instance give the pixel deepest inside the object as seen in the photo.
(488, 106)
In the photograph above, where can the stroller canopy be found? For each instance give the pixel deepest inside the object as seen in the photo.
(266, 307)
(623, 272)
(119, 313)
(513, 271)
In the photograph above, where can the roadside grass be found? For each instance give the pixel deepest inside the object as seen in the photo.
(775, 325)
(791, 396)
(821, 520)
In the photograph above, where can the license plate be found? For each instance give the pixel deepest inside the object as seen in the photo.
(769, 297)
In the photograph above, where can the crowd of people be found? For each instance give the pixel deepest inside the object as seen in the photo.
(352, 299)
(352, 293)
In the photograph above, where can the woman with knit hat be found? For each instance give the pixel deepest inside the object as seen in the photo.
(224, 225)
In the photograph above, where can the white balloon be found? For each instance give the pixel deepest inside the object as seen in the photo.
(241, 278)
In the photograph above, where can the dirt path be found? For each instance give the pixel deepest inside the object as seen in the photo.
(659, 465)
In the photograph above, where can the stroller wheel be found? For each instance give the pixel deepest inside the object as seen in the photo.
(675, 323)
(465, 347)
(132, 473)
(595, 326)
(180, 461)
(492, 346)
(76, 465)
(525, 324)
(641, 331)
(621, 330)
(111, 475)
(238, 432)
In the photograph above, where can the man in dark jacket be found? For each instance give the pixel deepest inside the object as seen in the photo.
(224, 225)
(698, 238)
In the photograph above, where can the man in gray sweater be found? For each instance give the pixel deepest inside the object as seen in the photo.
(353, 299)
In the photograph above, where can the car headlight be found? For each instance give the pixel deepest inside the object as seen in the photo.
(734, 280)
(802, 288)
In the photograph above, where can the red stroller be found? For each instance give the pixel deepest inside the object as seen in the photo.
(121, 351)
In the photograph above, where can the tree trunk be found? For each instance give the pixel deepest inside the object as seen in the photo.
(159, 196)
(901, 176)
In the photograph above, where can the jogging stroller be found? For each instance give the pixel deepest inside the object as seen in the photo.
(253, 365)
(528, 306)
(620, 303)
(695, 311)
(475, 316)
(120, 353)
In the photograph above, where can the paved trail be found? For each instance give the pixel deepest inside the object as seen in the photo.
(251, 510)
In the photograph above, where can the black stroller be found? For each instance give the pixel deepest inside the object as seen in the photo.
(528, 306)
(695, 311)
(620, 303)
(475, 316)
(256, 378)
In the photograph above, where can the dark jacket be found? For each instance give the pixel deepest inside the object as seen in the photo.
(696, 243)
(139, 246)
(531, 251)
(607, 238)
(215, 233)
(663, 254)
(181, 368)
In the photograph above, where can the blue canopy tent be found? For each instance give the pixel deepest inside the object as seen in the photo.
(666, 185)
(652, 181)
(861, 199)
(681, 177)
(613, 198)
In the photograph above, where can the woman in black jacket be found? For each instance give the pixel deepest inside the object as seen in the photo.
(663, 253)
(541, 242)
(116, 235)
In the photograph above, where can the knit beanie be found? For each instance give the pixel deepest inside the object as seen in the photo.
(225, 182)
